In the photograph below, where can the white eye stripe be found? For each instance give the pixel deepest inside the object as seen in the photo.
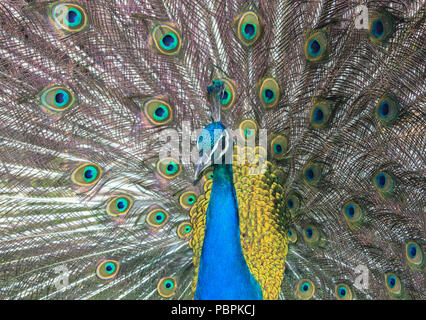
(225, 134)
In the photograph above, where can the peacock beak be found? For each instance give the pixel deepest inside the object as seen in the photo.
(205, 160)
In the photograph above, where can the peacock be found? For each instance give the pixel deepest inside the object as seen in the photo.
(219, 149)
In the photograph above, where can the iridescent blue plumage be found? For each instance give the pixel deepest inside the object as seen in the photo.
(223, 271)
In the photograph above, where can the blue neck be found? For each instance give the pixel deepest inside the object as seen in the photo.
(223, 273)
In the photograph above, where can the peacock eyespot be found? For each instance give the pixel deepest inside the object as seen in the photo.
(384, 109)
(352, 212)
(312, 173)
(57, 98)
(157, 217)
(107, 269)
(208, 174)
(320, 114)
(292, 235)
(269, 93)
(381, 27)
(187, 199)
(169, 41)
(227, 97)
(311, 235)
(292, 202)
(172, 167)
(248, 133)
(305, 289)
(168, 168)
(316, 46)
(377, 28)
(414, 254)
(90, 173)
(249, 31)
(392, 283)
(68, 16)
(384, 183)
(158, 111)
(119, 205)
(161, 113)
(279, 147)
(167, 287)
(248, 129)
(343, 292)
(387, 110)
(248, 28)
(87, 174)
(166, 39)
(184, 230)
(309, 232)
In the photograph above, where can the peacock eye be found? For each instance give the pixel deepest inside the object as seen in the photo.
(249, 28)
(107, 270)
(292, 235)
(87, 174)
(414, 254)
(320, 114)
(393, 284)
(227, 98)
(343, 292)
(312, 173)
(184, 230)
(158, 111)
(248, 129)
(269, 93)
(352, 212)
(305, 289)
(167, 287)
(377, 28)
(172, 168)
(279, 147)
(168, 168)
(166, 39)
(292, 202)
(316, 46)
(386, 111)
(384, 183)
(248, 133)
(57, 98)
(208, 174)
(68, 16)
(187, 199)
(380, 27)
(157, 217)
(311, 235)
(119, 206)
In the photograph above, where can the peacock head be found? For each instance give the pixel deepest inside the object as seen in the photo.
(214, 147)
(215, 142)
